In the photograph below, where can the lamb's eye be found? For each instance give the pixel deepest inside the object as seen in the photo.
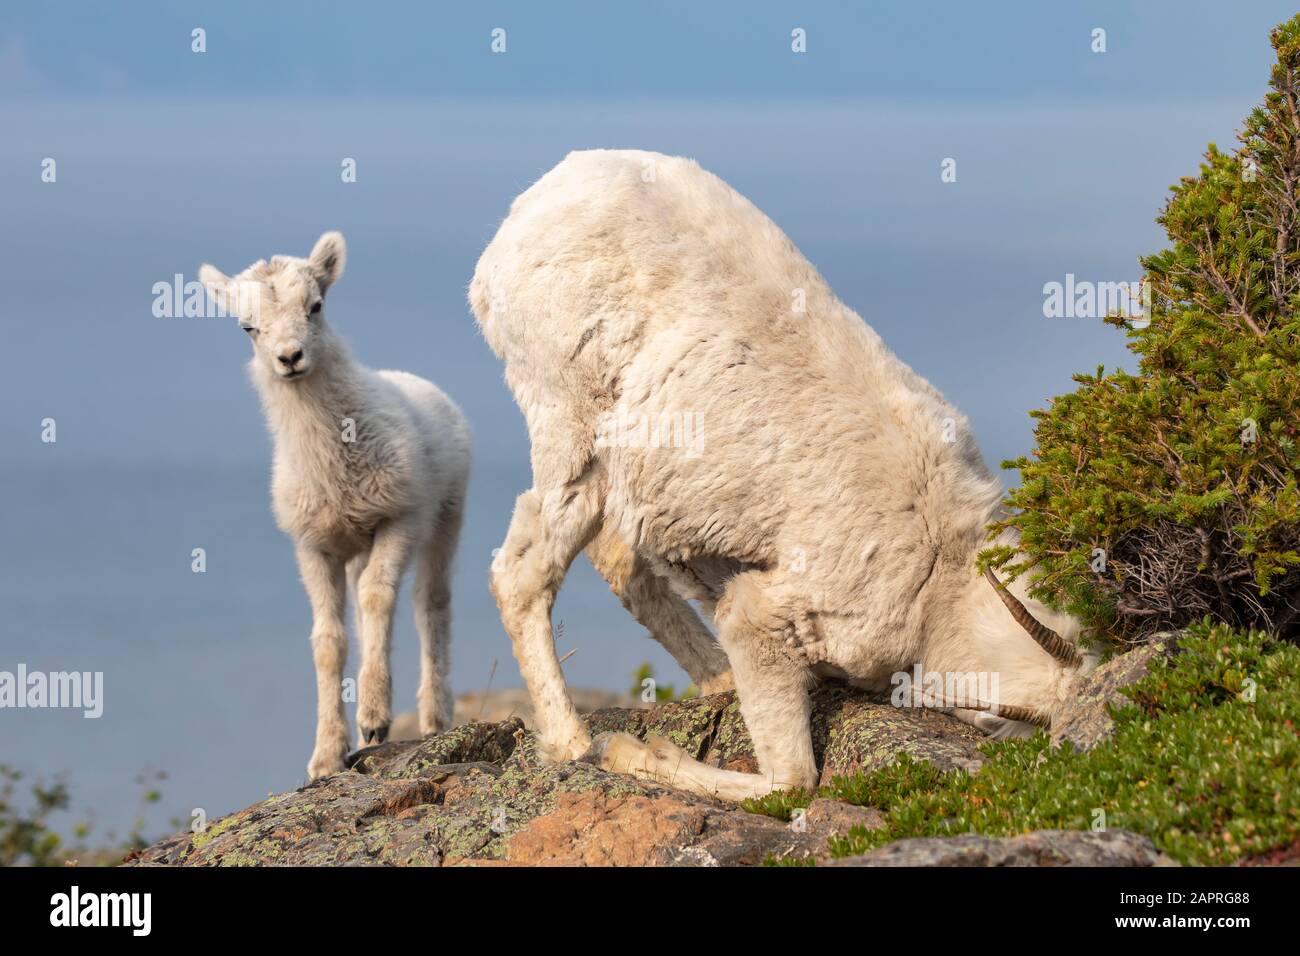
(249, 329)
(315, 308)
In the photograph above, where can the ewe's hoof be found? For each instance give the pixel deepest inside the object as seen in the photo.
(571, 749)
(617, 753)
(326, 765)
(596, 752)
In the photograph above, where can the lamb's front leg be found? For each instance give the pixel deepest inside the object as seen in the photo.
(377, 588)
(323, 577)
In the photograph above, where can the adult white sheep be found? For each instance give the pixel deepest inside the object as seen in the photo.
(826, 509)
(369, 473)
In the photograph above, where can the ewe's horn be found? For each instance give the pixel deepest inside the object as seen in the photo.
(1044, 636)
(1027, 715)
(1010, 712)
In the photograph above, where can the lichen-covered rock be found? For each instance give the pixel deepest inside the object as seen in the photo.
(1039, 848)
(479, 794)
(1085, 721)
(852, 731)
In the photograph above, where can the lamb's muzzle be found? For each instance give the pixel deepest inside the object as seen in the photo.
(1043, 636)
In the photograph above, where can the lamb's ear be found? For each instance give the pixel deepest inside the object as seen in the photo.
(327, 258)
(218, 285)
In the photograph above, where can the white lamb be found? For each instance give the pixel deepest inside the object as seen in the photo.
(370, 470)
(824, 506)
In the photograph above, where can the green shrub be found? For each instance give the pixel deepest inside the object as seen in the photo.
(1183, 474)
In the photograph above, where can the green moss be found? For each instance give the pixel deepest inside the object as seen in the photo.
(213, 830)
(1196, 764)
(782, 804)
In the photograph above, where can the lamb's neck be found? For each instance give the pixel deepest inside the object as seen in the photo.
(312, 413)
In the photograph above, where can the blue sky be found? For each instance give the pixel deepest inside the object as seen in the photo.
(1018, 50)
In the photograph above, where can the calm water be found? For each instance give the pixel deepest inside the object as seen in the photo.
(208, 677)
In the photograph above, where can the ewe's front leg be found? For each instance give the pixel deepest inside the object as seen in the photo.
(322, 576)
(377, 588)
(546, 533)
(771, 685)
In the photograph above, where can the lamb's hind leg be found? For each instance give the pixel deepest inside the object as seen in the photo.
(669, 619)
(772, 686)
(547, 531)
(322, 576)
(432, 597)
(377, 587)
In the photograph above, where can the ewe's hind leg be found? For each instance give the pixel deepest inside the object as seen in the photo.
(432, 597)
(377, 587)
(773, 690)
(669, 619)
(322, 576)
(546, 533)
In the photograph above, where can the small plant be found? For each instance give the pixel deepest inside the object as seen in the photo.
(780, 804)
(28, 839)
(663, 692)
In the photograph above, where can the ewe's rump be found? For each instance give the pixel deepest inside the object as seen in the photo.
(637, 290)
(622, 256)
(608, 240)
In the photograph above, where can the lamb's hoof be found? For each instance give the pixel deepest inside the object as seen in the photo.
(373, 736)
(431, 725)
(327, 764)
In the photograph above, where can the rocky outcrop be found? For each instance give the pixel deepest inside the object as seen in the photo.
(480, 795)
(1086, 721)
